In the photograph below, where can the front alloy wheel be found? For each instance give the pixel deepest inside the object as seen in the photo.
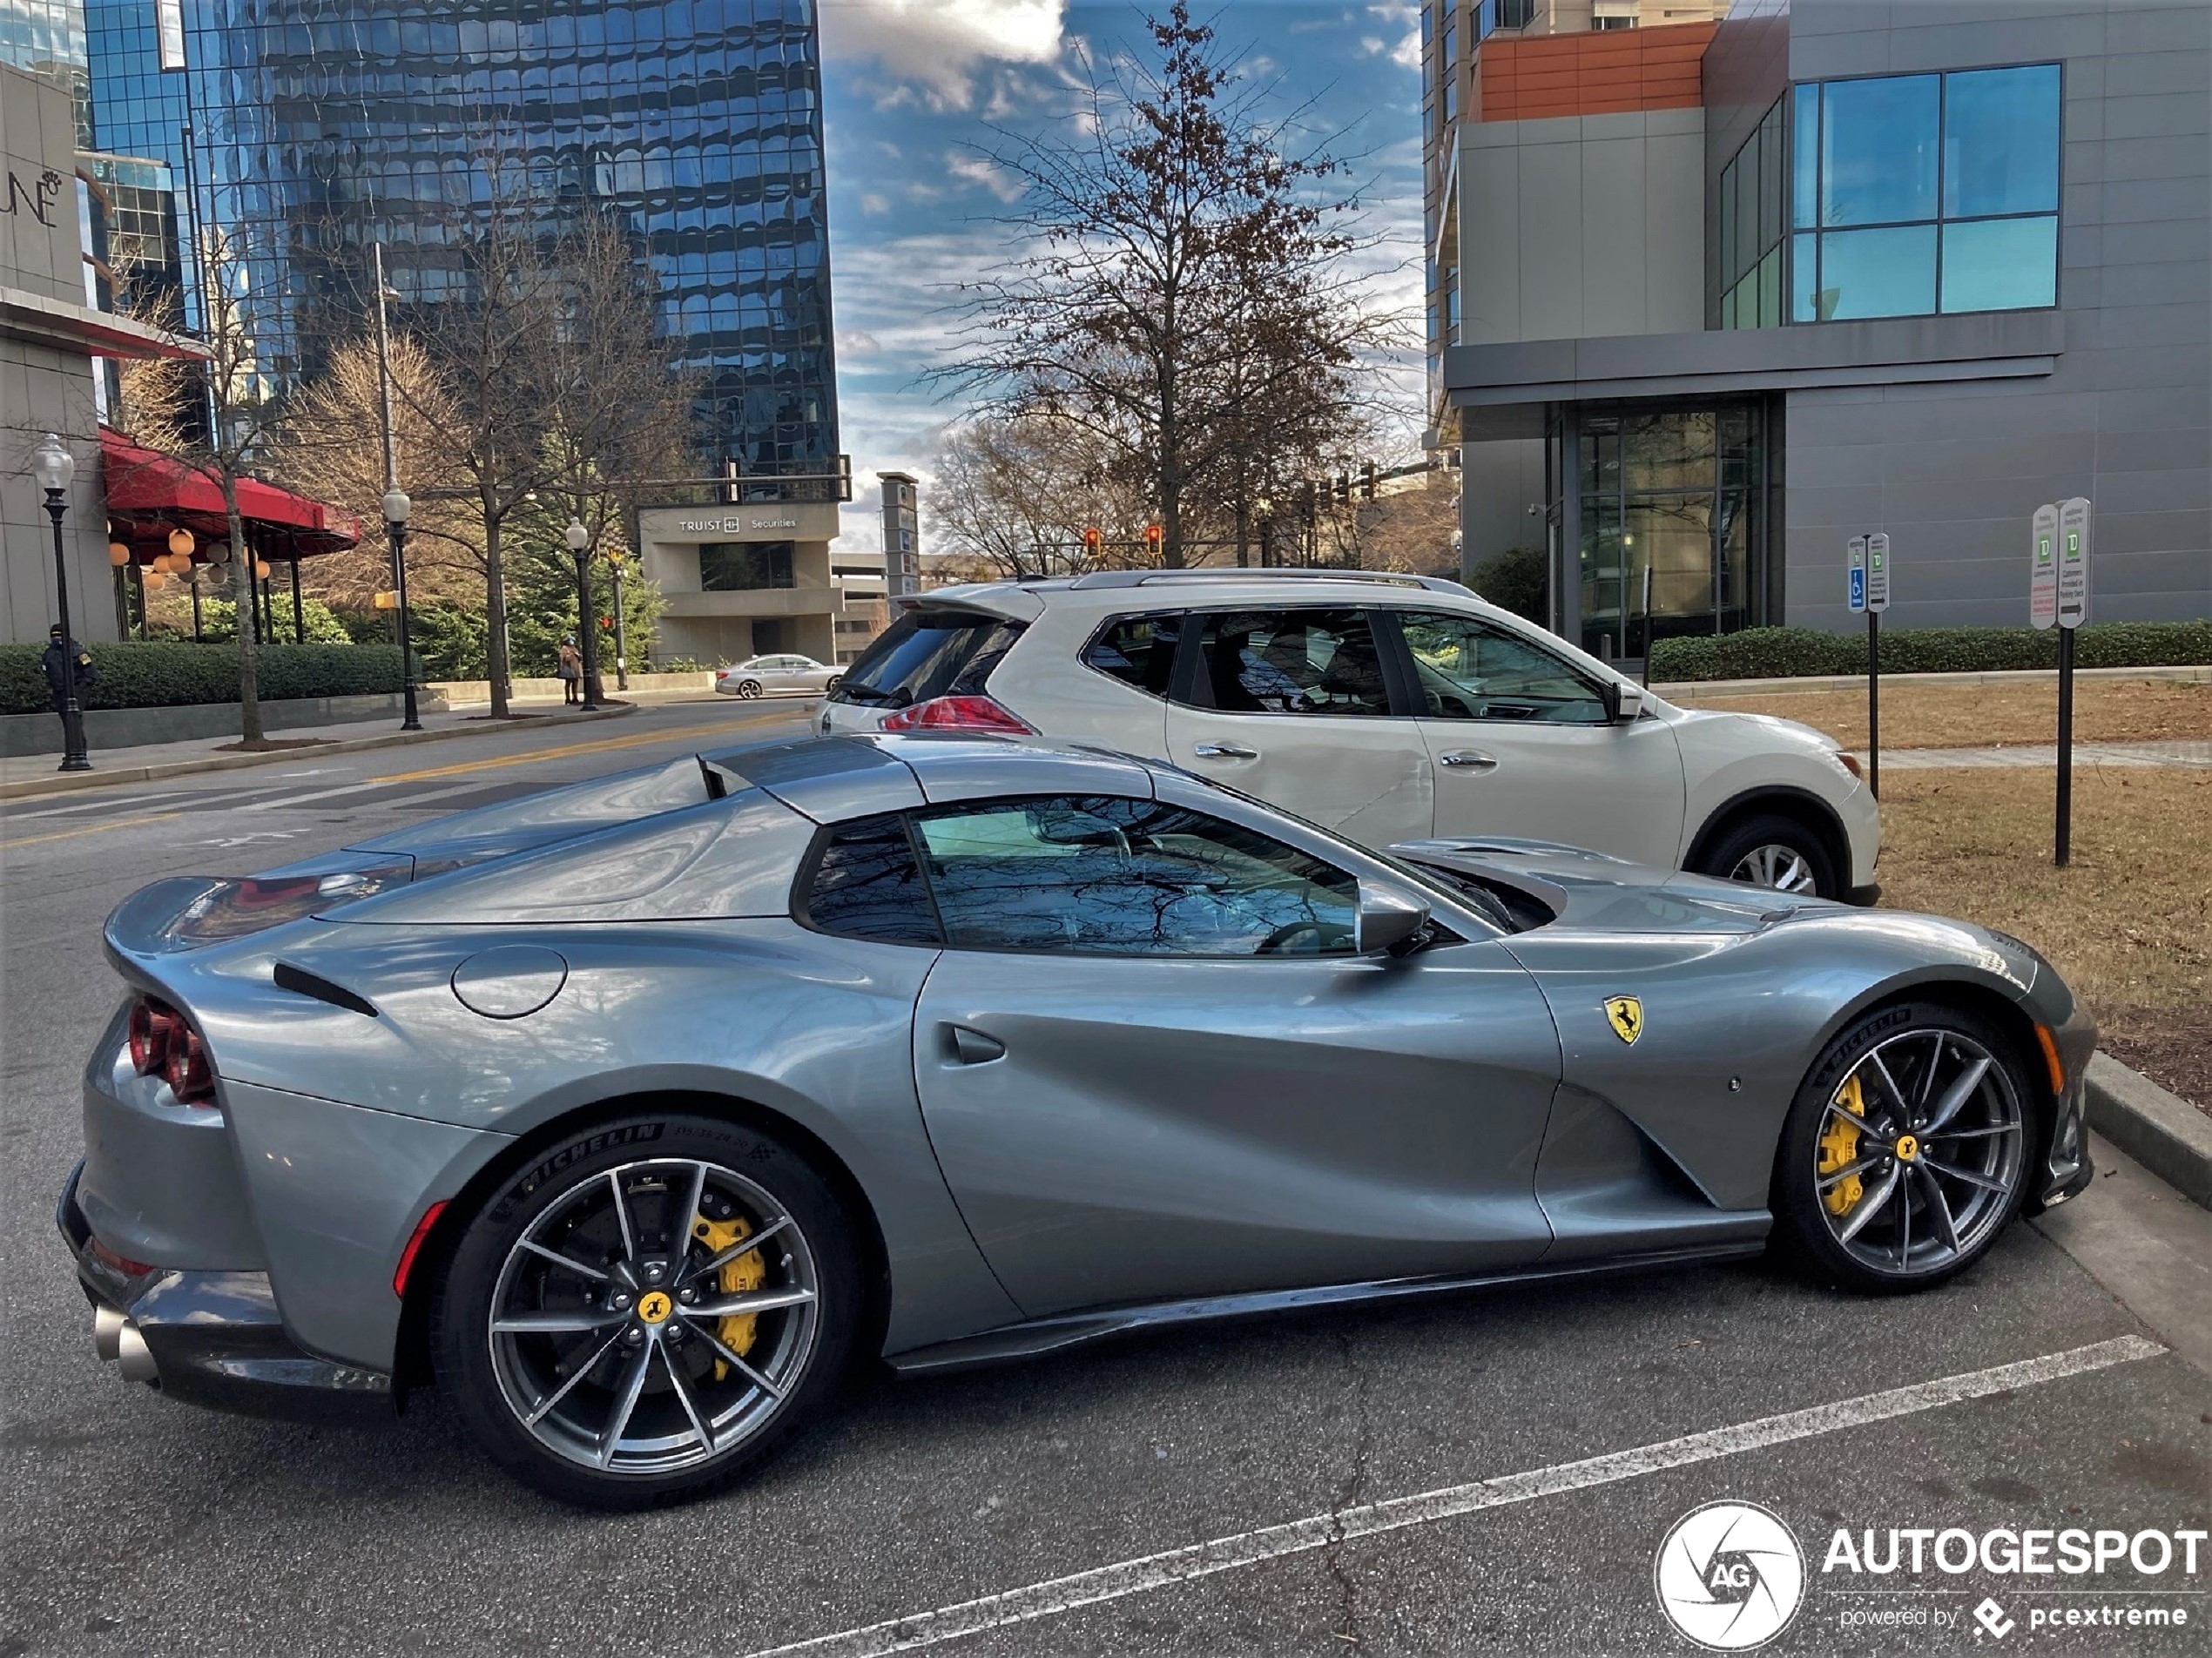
(1910, 1147)
(652, 1320)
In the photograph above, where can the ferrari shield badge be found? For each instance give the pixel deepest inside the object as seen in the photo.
(1625, 1014)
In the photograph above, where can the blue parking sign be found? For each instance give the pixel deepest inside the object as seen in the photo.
(1857, 590)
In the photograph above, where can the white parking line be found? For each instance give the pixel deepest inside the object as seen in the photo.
(1060, 1594)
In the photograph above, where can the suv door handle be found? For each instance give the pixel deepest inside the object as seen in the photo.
(1467, 759)
(1223, 752)
(973, 1047)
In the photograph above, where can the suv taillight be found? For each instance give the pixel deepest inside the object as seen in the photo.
(163, 1042)
(960, 714)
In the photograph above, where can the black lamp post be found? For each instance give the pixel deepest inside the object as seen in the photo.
(579, 539)
(396, 508)
(55, 467)
(622, 638)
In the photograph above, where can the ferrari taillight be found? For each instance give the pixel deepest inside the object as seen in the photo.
(960, 714)
(164, 1043)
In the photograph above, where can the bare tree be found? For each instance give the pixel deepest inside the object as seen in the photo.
(614, 410)
(326, 447)
(1180, 274)
(1013, 494)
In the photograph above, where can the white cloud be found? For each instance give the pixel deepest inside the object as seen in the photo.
(1371, 45)
(937, 45)
(980, 170)
(874, 202)
(858, 342)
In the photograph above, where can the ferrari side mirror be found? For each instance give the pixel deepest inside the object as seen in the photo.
(1389, 916)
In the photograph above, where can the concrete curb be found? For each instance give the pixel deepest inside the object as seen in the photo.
(1692, 691)
(2161, 1131)
(67, 782)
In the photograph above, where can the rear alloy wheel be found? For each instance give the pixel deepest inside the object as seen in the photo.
(748, 688)
(1906, 1150)
(1776, 853)
(653, 1318)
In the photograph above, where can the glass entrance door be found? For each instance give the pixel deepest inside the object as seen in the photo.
(1675, 493)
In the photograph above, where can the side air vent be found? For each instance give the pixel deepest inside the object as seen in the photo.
(300, 980)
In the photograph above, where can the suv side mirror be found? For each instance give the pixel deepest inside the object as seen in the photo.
(1623, 702)
(1388, 918)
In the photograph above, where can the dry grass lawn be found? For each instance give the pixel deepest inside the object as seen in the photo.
(2129, 923)
(1924, 715)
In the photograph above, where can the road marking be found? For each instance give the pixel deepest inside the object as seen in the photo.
(532, 757)
(93, 805)
(88, 829)
(1056, 1595)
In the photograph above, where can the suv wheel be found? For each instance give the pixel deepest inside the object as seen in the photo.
(1774, 852)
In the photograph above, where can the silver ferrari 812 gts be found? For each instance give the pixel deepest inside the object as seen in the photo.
(635, 1113)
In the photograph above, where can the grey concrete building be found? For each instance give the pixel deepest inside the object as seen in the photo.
(48, 335)
(1913, 267)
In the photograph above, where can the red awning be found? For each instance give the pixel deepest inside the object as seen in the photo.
(150, 494)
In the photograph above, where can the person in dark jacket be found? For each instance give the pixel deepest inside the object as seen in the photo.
(58, 658)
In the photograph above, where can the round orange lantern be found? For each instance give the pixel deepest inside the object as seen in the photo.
(118, 554)
(180, 541)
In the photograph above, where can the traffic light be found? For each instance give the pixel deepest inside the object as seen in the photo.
(1152, 538)
(1309, 505)
(1092, 540)
(1367, 476)
(1342, 489)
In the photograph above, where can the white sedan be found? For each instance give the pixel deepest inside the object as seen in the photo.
(776, 675)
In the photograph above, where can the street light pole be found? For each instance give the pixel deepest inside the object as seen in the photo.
(55, 467)
(579, 540)
(622, 637)
(396, 508)
(396, 504)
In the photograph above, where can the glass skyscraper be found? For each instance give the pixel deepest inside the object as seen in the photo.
(321, 126)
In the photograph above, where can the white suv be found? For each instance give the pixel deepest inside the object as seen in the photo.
(1388, 708)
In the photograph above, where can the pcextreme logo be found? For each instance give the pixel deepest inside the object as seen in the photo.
(1729, 1576)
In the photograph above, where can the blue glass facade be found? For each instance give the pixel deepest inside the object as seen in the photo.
(321, 126)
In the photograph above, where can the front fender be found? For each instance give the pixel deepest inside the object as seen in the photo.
(1732, 1024)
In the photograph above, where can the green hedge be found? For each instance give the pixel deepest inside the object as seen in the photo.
(1785, 653)
(156, 673)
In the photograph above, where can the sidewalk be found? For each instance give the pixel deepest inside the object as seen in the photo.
(27, 775)
(2180, 751)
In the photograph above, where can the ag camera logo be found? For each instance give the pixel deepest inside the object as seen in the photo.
(1729, 1576)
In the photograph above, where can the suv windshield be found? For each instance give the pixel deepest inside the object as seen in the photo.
(928, 653)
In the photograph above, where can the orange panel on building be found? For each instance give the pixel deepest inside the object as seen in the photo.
(1599, 73)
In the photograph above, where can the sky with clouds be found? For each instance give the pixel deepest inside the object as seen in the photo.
(911, 89)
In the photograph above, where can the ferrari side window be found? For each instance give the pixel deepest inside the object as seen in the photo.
(1099, 875)
(1467, 668)
(864, 884)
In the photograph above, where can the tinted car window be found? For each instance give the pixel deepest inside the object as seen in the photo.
(1104, 876)
(1290, 662)
(925, 654)
(1469, 669)
(1138, 651)
(866, 885)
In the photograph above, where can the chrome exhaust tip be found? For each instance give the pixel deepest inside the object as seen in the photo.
(136, 1360)
(107, 1332)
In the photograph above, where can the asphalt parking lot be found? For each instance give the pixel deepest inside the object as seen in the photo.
(1235, 1489)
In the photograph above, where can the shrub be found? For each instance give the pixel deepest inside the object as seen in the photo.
(1785, 653)
(1516, 580)
(219, 623)
(156, 673)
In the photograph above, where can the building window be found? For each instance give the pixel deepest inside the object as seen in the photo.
(1913, 195)
(1680, 492)
(744, 567)
(1751, 228)
(1451, 105)
(1620, 21)
(1447, 54)
(1516, 14)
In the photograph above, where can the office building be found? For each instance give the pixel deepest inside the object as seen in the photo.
(1915, 269)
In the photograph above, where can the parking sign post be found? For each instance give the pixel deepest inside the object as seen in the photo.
(2071, 594)
(1867, 590)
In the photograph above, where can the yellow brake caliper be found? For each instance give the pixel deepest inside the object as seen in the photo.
(1839, 1145)
(747, 1271)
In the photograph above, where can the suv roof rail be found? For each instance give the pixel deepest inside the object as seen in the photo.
(1217, 573)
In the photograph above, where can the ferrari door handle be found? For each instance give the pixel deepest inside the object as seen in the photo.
(973, 1047)
(1467, 759)
(1223, 752)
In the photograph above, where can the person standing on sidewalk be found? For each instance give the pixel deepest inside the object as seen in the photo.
(60, 657)
(571, 671)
